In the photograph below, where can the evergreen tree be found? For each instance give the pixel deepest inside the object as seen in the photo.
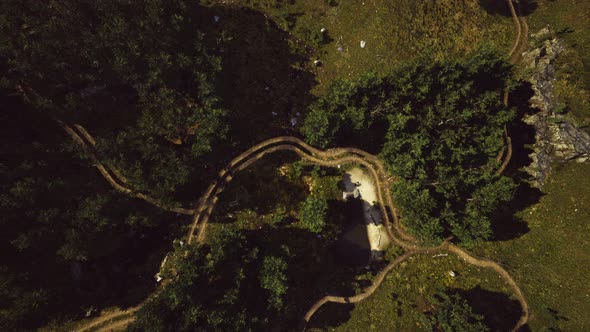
(452, 313)
(209, 284)
(444, 126)
(313, 213)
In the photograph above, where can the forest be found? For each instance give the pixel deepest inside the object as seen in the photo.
(439, 127)
(115, 117)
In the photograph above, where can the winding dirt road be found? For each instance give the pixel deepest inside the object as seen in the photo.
(81, 136)
(333, 158)
(110, 321)
(329, 158)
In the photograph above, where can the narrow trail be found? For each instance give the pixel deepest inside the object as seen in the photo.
(120, 325)
(110, 318)
(517, 40)
(518, 47)
(356, 298)
(324, 158)
(113, 177)
(333, 159)
(329, 158)
(515, 54)
(445, 247)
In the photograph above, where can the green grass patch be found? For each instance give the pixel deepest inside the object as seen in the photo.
(398, 302)
(395, 31)
(551, 261)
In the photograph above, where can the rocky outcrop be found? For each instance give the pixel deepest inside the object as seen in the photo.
(555, 137)
(570, 142)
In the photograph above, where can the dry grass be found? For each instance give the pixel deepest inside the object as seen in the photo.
(395, 31)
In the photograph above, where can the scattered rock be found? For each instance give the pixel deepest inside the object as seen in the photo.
(555, 137)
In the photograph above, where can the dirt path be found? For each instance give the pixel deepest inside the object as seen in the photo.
(333, 159)
(329, 158)
(113, 177)
(519, 46)
(445, 247)
(120, 325)
(357, 298)
(108, 320)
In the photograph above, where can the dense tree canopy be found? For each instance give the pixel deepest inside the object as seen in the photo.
(214, 287)
(452, 313)
(313, 213)
(142, 77)
(440, 127)
(68, 242)
(140, 74)
(274, 279)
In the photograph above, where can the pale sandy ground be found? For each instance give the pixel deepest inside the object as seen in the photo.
(376, 233)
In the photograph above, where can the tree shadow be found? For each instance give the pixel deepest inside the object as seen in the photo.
(119, 258)
(500, 312)
(261, 188)
(501, 7)
(313, 271)
(506, 225)
(318, 265)
(330, 315)
(352, 247)
(370, 140)
(264, 82)
(124, 274)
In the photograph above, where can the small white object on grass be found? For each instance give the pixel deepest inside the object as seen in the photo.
(452, 273)
(440, 255)
(322, 30)
(363, 43)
